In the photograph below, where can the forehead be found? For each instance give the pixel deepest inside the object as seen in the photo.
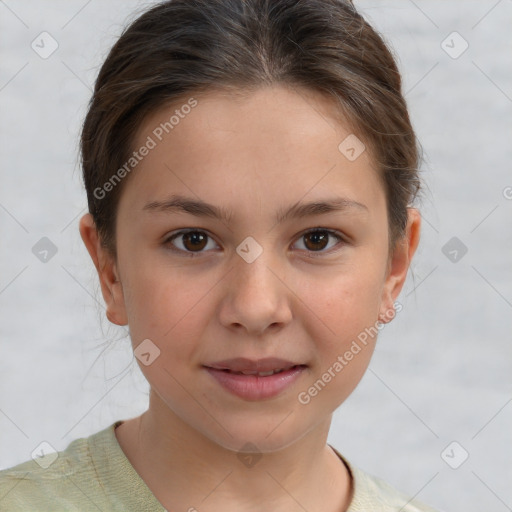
(269, 143)
(294, 114)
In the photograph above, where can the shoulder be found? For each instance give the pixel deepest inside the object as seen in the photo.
(65, 480)
(92, 473)
(373, 494)
(41, 482)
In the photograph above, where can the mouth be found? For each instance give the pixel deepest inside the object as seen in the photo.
(263, 367)
(259, 374)
(255, 380)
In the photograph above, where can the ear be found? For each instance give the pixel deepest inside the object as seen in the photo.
(111, 286)
(398, 265)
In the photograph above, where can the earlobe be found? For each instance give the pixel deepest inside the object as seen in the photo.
(399, 265)
(111, 286)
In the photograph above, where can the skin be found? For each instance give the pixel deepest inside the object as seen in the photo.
(299, 300)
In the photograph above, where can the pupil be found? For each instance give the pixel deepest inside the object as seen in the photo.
(318, 237)
(196, 239)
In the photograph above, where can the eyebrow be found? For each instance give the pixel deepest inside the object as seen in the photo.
(199, 208)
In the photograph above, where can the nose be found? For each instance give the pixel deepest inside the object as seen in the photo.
(256, 296)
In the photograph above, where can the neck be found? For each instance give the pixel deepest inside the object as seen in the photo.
(185, 469)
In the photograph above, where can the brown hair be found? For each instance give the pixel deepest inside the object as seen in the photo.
(182, 47)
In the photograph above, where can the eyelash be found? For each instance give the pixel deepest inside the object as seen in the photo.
(192, 254)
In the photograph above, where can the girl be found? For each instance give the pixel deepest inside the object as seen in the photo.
(250, 169)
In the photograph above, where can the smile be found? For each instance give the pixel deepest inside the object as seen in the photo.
(254, 385)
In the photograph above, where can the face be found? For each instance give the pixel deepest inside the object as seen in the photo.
(253, 282)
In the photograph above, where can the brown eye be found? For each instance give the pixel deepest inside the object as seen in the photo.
(189, 242)
(195, 240)
(319, 239)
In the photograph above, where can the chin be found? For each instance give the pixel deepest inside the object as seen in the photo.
(263, 436)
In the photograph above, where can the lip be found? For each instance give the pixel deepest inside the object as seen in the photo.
(241, 364)
(255, 387)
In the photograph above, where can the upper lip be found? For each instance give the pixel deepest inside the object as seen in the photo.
(242, 364)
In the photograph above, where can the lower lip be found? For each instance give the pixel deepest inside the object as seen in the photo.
(254, 387)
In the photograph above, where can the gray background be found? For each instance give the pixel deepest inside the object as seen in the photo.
(442, 368)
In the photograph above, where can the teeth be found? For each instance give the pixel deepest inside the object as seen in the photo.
(261, 374)
(271, 372)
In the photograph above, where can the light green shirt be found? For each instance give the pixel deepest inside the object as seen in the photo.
(93, 474)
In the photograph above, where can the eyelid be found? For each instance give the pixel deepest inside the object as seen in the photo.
(175, 234)
(342, 239)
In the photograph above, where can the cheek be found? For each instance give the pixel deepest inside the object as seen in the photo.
(172, 313)
(169, 307)
(343, 328)
(344, 304)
